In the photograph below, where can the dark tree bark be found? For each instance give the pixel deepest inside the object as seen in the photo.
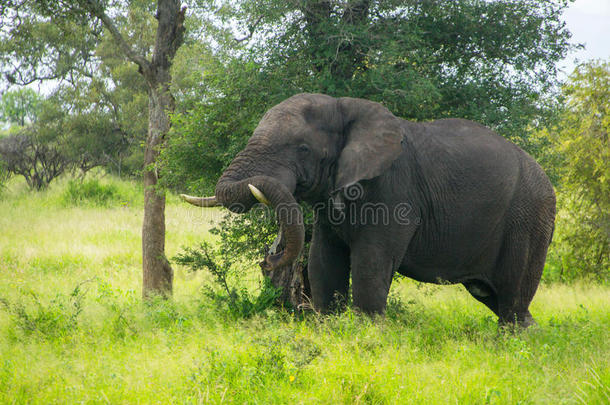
(292, 279)
(157, 272)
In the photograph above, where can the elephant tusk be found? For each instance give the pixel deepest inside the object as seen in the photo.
(276, 244)
(258, 195)
(200, 201)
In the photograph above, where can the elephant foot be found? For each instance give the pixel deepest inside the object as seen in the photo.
(516, 321)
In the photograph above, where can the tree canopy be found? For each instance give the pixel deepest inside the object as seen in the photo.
(580, 138)
(19, 106)
(490, 61)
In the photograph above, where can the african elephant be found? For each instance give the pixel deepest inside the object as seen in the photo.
(446, 201)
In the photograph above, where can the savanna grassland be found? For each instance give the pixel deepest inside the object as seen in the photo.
(74, 329)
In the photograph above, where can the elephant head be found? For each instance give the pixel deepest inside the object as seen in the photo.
(307, 147)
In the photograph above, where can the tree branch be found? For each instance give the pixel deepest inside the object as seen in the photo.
(97, 10)
(251, 29)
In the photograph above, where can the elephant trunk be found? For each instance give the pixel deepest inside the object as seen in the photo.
(236, 194)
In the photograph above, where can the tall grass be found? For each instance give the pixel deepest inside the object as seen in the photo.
(74, 329)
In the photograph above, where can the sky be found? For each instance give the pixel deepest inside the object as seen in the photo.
(589, 23)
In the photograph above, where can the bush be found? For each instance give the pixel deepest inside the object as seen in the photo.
(227, 292)
(58, 317)
(38, 161)
(5, 175)
(90, 192)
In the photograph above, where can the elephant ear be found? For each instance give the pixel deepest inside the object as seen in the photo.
(373, 140)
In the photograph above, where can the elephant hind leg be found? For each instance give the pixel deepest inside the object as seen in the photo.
(514, 295)
(518, 274)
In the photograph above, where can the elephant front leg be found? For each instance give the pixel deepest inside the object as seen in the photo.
(375, 256)
(372, 271)
(328, 270)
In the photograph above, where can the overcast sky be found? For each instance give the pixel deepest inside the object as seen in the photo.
(589, 23)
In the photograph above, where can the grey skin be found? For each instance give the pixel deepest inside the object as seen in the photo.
(447, 201)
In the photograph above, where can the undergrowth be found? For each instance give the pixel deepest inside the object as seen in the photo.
(55, 318)
(96, 193)
(227, 293)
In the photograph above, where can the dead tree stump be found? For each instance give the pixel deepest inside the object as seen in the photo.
(292, 279)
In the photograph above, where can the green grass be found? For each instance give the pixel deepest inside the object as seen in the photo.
(73, 327)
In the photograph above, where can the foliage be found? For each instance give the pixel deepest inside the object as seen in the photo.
(71, 131)
(101, 106)
(227, 259)
(235, 234)
(38, 160)
(207, 136)
(5, 175)
(93, 127)
(19, 106)
(46, 40)
(490, 61)
(59, 317)
(101, 96)
(581, 138)
(238, 300)
(90, 192)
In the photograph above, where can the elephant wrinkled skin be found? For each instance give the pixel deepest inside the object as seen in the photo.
(447, 201)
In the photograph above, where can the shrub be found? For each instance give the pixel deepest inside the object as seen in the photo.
(91, 192)
(5, 175)
(58, 317)
(38, 161)
(227, 292)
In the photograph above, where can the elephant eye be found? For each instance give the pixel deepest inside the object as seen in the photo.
(303, 149)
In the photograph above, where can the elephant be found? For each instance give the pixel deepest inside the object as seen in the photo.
(445, 201)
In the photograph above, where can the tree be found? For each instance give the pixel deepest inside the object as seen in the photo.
(19, 106)
(63, 137)
(71, 30)
(581, 139)
(157, 272)
(105, 120)
(490, 61)
(38, 162)
(38, 151)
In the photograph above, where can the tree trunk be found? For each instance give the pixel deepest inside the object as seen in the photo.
(157, 273)
(292, 279)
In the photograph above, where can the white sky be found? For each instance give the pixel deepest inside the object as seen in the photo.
(589, 23)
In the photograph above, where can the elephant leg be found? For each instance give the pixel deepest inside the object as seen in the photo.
(328, 270)
(376, 254)
(512, 305)
(519, 272)
(373, 265)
